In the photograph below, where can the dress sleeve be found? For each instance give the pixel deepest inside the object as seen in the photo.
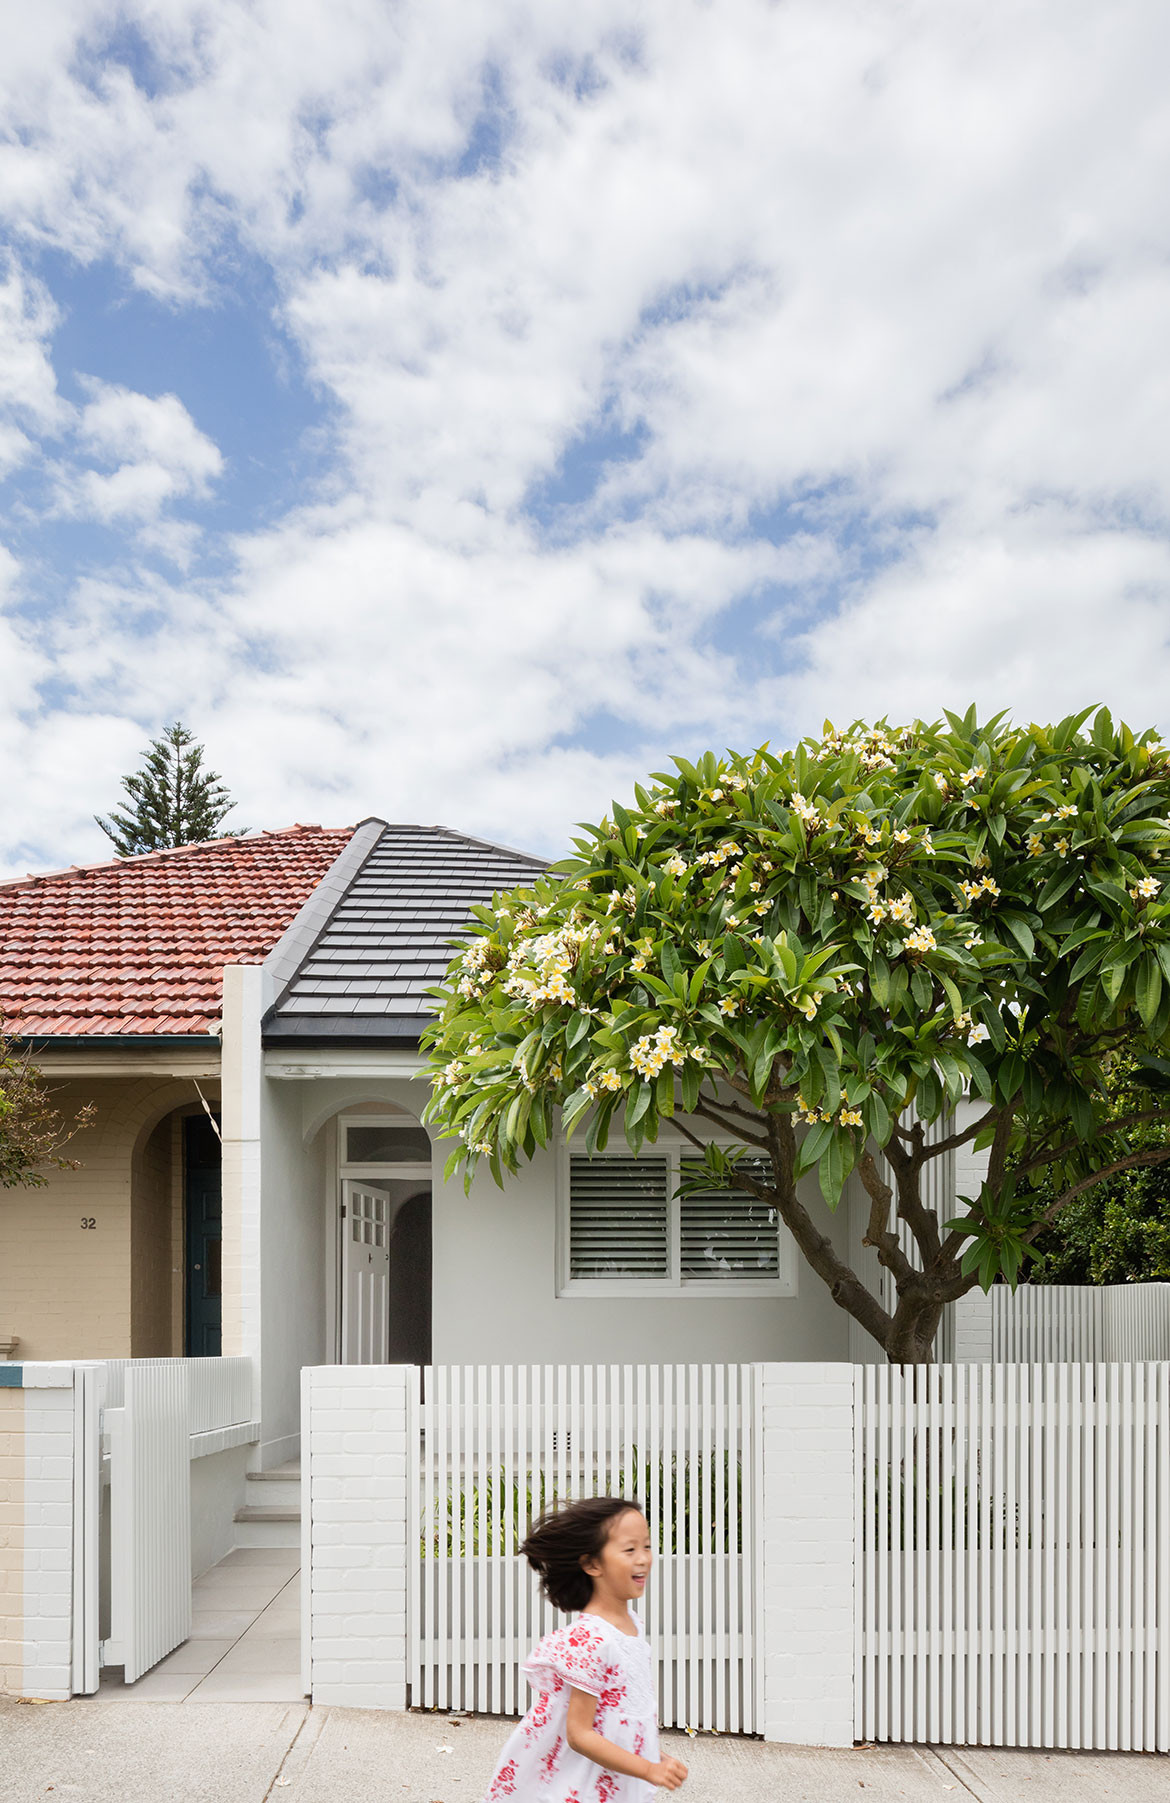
(574, 1656)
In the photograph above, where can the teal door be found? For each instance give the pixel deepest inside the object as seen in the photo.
(204, 1192)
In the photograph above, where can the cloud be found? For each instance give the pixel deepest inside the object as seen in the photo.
(684, 376)
(29, 402)
(158, 452)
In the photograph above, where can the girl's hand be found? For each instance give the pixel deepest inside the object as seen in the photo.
(668, 1774)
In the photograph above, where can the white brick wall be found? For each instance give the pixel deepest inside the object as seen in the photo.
(36, 1524)
(972, 1342)
(355, 1528)
(805, 1627)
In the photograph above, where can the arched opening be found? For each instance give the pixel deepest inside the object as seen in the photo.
(175, 1229)
(410, 1281)
(384, 1237)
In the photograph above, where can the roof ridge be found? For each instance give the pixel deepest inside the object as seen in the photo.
(296, 944)
(172, 851)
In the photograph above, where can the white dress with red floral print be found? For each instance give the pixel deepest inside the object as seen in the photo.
(537, 1764)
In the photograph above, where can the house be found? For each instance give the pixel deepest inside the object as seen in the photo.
(245, 1014)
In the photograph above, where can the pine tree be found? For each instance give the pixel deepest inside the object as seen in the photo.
(176, 801)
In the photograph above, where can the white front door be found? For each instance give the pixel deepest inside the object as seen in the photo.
(365, 1273)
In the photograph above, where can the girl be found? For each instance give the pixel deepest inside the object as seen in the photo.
(591, 1736)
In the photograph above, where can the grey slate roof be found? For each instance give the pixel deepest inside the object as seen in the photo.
(374, 937)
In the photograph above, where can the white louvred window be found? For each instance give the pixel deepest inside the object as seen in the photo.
(726, 1234)
(628, 1227)
(619, 1218)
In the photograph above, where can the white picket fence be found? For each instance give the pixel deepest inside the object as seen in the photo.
(1055, 1322)
(1013, 1555)
(500, 1443)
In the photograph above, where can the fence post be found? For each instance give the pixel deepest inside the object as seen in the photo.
(357, 1484)
(972, 1341)
(38, 1523)
(805, 1552)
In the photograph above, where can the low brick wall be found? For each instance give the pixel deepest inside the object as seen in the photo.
(354, 1452)
(36, 1530)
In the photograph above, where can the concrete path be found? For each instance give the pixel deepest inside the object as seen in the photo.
(86, 1752)
(245, 1643)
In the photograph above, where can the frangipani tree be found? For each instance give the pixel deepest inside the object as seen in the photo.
(816, 954)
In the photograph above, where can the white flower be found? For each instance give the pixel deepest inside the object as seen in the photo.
(675, 865)
(973, 775)
(921, 940)
(1145, 889)
(978, 1034)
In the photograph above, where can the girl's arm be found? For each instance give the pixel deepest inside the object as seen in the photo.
(583, 1737)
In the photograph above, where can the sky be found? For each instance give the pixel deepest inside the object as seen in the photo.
(450, 411)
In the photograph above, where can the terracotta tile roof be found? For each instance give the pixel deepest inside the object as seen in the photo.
(139, 945)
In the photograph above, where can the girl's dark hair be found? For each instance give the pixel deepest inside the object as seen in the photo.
(562, 1537)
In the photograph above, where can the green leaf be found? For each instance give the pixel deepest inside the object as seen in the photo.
(877, 1118)
(640, 1098)
(952, 994)
(1021, 932)
(832, 1170)
(668, 961)
(811, 1146)
(1149, 988)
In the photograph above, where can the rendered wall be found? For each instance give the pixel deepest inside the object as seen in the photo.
(218, 1482)
(495, 1292)
(293, 1277)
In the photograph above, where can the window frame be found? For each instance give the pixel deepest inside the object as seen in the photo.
(378, 1170)
(673, 1148)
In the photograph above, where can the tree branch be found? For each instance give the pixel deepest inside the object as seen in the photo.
(1122, 1164)
(708, 1113)
(878, 1233)
(939, 1146)
(1071, 1145)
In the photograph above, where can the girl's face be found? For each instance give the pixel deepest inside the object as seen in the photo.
(623, 1565)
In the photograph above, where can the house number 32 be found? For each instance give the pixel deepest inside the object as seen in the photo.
(89, 1220)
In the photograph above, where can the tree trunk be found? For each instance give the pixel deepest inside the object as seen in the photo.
(912, 1333)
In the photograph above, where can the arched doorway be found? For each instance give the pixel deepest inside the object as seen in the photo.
(410, 1281)
(384, 1240)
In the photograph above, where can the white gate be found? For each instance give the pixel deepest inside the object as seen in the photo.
(150, 1517)
(365, 1274)
(500, 1443)
(1013, 1555)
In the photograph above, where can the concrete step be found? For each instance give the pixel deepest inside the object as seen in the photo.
(269, 1489)
(278, 1525)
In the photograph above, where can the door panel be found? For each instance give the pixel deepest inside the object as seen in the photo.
(365, 1274)
(204, 1191)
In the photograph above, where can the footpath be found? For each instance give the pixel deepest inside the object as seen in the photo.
(93, 1752)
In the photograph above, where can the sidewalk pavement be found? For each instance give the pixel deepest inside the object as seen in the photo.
(85, 1752)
